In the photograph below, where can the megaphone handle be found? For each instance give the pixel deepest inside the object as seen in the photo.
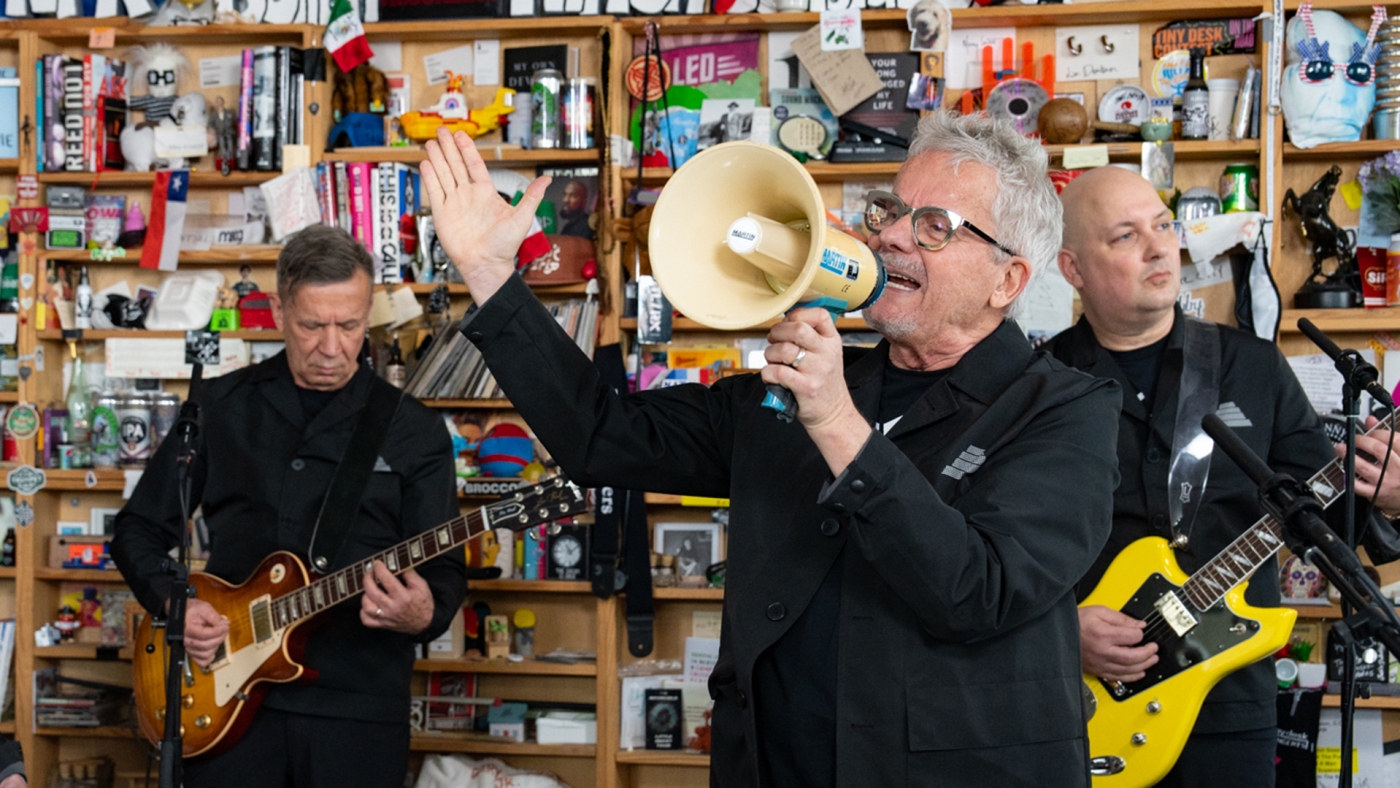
(780, 399)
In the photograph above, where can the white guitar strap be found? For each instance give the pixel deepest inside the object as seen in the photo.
(1198, 396)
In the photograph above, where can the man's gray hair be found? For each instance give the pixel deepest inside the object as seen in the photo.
(320, 255)
(1027, 211)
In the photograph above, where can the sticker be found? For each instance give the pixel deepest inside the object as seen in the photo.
(28, 187)
(1171, 72)
(25, 372)
(202, 347)
(929, 24)
(39, 359)
(22, 420)
(834, 261)
(710, 503)
(102, 38)
(90, 480)
(932, 65)
(26, 480)
(26, 281)
(279, 572)
(840, 29)
(1216, 36)
(1080, 157)
(26, 303)
(24, 513)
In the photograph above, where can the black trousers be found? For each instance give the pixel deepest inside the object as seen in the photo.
(285, 750)
(1240, 759)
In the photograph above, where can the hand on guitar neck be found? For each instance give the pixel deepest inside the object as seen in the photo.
(205, 629)
(1108, 645)
(405, 607)
(1370, 453)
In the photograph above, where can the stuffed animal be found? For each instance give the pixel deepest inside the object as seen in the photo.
(159, 67)
(363, 89)
(505, 451)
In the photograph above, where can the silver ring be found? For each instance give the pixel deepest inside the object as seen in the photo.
(797, 361)
(378, 611)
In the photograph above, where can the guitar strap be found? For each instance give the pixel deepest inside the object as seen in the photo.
(1198, 396)
(341, 505)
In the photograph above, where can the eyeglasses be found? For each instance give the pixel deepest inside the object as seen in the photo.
(160, 77)
(933, 227)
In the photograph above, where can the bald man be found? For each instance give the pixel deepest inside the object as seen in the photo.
(1121, 253)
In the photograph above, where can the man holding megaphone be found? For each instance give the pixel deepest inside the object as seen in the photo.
(899, 605)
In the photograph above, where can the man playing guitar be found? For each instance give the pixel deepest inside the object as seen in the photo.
(272, 438)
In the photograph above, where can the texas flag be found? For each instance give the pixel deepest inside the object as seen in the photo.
(162, 247)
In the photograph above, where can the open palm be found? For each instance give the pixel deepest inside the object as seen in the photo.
(479, 231)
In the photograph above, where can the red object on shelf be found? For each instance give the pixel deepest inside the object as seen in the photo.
(254, 311)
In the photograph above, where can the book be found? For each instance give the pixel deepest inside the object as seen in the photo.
(664, 711)
(398, 10)
(410, 187)
(40, 126)
(886, 110)
(55, 143)
(111, 105)
(386, 224)
(341, 182)
(264, 133)
(245, 111)
(360, 176)
(94, 68)
(73, 115)
(9, 113)
(325, 192)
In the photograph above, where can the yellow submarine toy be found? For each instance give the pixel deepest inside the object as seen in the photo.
(451, 112)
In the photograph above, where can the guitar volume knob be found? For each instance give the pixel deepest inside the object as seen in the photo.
(187, 701)
(1153, 707)
(202, 721)
(1139, 738)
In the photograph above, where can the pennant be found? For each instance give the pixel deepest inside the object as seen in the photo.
(162, 247)
(345, 37)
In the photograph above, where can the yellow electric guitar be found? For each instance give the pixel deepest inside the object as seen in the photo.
(1204, 631)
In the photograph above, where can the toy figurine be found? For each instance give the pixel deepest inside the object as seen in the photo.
(133, 227)
(223, 128)
(497, 636)
(245, 284)
(159, 67)
(1340, 289)
(67, 623)
(451, 111)
(525, 632)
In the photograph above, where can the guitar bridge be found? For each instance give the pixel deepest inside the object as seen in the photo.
(1174, 612)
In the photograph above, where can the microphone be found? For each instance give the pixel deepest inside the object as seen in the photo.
(1355, 370)
(187, 425)
(1288, 501)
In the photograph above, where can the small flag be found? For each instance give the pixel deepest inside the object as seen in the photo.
(345, 37)
(534, 245)
(162, 247)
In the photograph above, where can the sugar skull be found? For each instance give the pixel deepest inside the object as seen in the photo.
(1329, 85)
(1301, 580)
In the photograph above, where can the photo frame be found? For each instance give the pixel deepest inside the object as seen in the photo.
(695, 545)
(101, 520)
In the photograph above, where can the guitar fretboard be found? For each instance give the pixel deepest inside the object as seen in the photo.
(1246, 554)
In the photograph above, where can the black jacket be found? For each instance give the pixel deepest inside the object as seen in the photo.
(261, 475)
(962, 535)
(1282, 428)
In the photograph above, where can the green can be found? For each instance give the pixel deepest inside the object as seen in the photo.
(1239, 188)
(546, 89)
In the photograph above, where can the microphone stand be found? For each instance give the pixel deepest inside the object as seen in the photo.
(177, 666)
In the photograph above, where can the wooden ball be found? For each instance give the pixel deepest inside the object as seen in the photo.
(1062, 122)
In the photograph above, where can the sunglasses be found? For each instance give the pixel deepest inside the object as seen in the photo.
(933, 227)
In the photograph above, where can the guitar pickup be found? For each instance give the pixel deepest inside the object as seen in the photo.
(1175, 613)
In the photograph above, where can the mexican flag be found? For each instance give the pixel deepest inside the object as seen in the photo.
(345, 37)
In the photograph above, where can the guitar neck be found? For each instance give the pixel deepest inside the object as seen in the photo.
(1246, 554)
(348, 583)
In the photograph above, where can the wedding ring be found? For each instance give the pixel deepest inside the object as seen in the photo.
(797, 361)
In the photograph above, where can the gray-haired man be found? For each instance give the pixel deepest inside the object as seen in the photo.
(899, 601)
(272, 438)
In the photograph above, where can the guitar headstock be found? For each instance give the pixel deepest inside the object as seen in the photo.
(550, 500)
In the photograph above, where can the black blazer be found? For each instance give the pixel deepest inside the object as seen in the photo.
(964, 533)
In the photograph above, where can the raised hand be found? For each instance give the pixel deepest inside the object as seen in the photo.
(479, 231)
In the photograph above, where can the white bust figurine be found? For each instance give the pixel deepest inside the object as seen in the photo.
(1329, 85)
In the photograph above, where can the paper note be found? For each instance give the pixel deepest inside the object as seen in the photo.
(963, 64)
(381, 311)
(165, 358)
(1079, 157)
(1213, 272)
(840, 29)
(218, 72)
(102, 37)
(458, 60)
(701, 654)
(486, 62)
(705, 623)
(388, 56)
(843, 78)
(406, 306)
(105, 9)
(1322, 383)
(294, 156)
(1095, 60)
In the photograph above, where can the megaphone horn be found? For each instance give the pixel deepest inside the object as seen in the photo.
(739, 237)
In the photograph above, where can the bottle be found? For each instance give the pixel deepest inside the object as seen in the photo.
(7, 551)
(9, 304)
(395, 372)
(1195, 100)
(82, 302)
(79, 412)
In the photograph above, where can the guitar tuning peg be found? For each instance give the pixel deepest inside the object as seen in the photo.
(555, 528)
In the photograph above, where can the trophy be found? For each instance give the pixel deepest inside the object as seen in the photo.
(1340, 289)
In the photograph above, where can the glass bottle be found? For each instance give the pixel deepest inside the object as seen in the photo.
(1195, 100)
(395, 372)
(7, 551)
(82, 302)
(79, 411)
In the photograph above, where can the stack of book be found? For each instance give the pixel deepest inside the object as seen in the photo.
(369, 201)
(81, 112)
(454, 368)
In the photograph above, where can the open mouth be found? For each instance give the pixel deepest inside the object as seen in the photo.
(899, 282)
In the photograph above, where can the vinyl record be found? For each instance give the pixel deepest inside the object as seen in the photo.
(1019, 101)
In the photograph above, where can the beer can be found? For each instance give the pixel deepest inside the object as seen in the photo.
(1239, 188)
(10, 450)
(106, 430)
(134, 424)
(546, 88)
(67, 454)
(165, 409)
(579, 98)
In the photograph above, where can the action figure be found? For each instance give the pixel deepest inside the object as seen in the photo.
(1340, 289)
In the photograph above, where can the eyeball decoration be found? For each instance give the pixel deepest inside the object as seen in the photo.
(1301, 580)
(1319, 104)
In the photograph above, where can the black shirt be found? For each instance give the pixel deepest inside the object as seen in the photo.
(1143, 366)
(314, 401)
(797, 718)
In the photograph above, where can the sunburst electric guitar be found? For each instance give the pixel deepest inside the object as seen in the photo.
(266, 613)
(1204, 631)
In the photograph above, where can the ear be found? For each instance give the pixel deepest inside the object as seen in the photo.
(274, 300)
(1014, 278)
(1069, 266)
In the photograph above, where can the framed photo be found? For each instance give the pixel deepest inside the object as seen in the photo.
(695, 545)
(101, 520)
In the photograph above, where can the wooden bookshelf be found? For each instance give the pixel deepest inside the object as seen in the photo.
(531, 586)
(97, 335)
(530, 667)
(467, 403)
(1331, 151)
(100, 732)
(79, 575)
(491, 152)
(428, 742)
(77, 651)
(219, 255)
(689, 594)
(198, 180)
(660, 758)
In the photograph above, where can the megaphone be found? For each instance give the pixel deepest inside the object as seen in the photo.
(739, 237)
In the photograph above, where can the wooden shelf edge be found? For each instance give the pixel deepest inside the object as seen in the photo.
(1373, 702)
(100, 732)
(75, 651)
(250, 253)
(662, 758)
(530, 667)
(1380, 319)
(198, 179)
(79, 575)
(427, 742)
(491, 153)
(97, 335)
(689, 594)
(467, 403)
